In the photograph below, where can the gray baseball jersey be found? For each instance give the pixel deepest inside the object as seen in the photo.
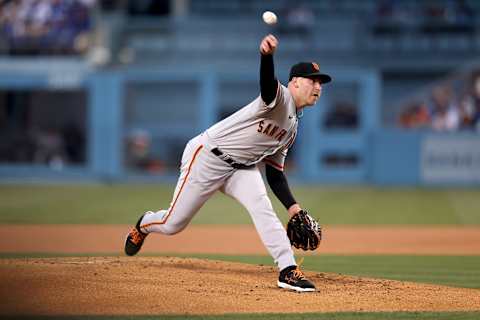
(254, 133)
(258, 131)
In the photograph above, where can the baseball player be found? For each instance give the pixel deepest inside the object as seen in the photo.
(227, 157)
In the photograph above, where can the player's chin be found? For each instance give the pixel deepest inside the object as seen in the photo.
(313, 101)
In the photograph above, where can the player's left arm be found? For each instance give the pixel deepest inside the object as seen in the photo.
(303, 230)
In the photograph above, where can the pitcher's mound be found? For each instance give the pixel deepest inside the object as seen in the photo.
(163, 285)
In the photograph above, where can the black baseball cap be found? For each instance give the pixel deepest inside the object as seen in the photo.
(308, 70)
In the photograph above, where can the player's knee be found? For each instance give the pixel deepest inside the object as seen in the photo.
(171, 229)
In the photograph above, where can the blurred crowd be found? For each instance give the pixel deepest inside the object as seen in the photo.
(41, 127)
(453, 16)
(299, 20)
(33, 27)
(446, 109)
(48, 145)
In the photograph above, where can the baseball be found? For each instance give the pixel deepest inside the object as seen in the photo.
(269, 17)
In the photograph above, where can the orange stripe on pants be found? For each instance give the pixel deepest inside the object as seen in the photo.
(165, 218)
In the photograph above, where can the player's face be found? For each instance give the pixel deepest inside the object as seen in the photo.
(310, 90)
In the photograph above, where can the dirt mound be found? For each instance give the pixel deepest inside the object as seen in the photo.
(163, 285)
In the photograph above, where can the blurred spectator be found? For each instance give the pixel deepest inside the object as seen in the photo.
(138, 148)
(415, 116)
(139, 156)
(470, 103)
(464, 15)
(299, 21)
(394, 17)
(50, 148)
(450, 16)
(33, 27)
(385, 18)
(30, 134)
(443, 109)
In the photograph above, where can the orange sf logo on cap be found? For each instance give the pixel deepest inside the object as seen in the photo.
(315, 66)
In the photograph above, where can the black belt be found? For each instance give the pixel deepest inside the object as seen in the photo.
(225, 157)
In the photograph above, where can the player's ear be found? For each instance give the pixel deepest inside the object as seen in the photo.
(295, 82)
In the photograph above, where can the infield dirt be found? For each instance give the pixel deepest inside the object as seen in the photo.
(118, 285)
(164, 285)
(239, 240)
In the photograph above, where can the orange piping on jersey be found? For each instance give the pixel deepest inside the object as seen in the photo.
(164, 220)
(274, 164)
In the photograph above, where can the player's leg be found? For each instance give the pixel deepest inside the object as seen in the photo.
(201, 174)
(187, 199)
(248, 188)
(137, 235)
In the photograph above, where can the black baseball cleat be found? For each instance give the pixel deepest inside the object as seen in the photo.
(134, 240)
(293, 279)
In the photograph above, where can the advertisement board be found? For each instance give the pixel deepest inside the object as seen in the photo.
(450, 159)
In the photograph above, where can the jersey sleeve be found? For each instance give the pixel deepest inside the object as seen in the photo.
(279, 97)
(268, 82)
(277, 160)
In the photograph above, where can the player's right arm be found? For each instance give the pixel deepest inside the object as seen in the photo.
(268, 82)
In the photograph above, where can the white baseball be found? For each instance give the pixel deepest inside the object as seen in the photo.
(269, 17)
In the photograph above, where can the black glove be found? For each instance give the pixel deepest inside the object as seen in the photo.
(304, 231)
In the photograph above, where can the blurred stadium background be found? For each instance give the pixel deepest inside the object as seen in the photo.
(94, 90)
(98, 98)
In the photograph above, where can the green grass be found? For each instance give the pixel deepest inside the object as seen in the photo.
(122, 204)
(288, 316)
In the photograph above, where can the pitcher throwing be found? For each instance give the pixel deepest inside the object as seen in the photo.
(227, 157)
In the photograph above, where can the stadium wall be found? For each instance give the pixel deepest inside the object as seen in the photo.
(174, 105)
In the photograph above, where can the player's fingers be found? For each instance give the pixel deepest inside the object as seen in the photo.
(269, 44)
(271, 39)
(272, 43)
(265, 47)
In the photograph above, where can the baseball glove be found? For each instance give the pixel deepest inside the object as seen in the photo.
(304, 231)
